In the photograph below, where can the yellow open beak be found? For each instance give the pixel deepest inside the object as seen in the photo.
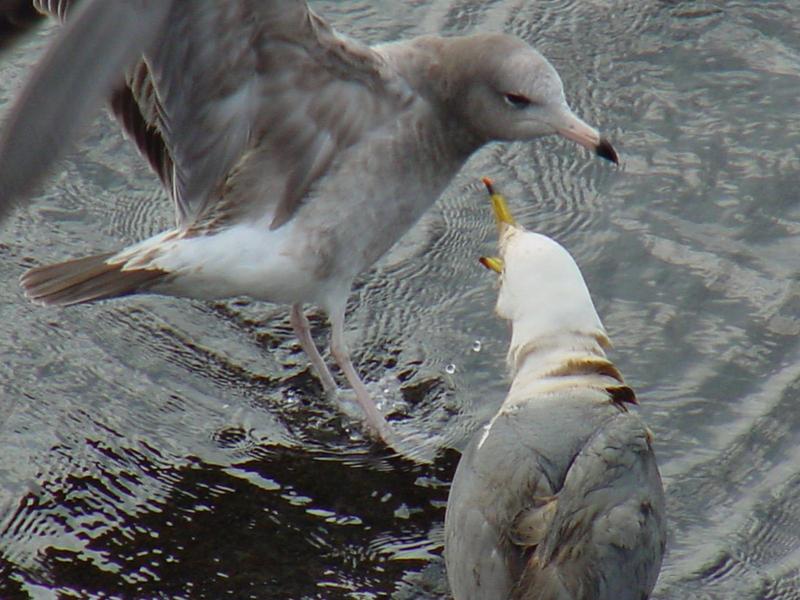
(504, 220)
(501, 212)
(492, 263)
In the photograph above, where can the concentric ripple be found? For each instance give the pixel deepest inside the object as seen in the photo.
(164, 448)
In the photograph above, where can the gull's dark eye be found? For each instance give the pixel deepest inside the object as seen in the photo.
(517, 100)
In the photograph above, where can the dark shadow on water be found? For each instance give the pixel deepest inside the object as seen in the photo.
(290, 524)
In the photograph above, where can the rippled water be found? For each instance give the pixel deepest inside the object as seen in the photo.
(157, 447)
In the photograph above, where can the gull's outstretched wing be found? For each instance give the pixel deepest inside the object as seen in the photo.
(134, 102)
(102, 38)
(222, 82)
(268, 78)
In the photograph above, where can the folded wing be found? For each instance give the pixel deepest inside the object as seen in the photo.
(606, 532)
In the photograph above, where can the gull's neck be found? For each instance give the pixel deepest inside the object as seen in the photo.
(564, 360)
(419, 61)
(425, 62)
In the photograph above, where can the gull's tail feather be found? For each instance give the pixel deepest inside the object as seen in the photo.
(101, 39)
(84, 280)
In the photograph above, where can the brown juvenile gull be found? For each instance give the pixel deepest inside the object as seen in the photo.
(295, 156)
(559, 497)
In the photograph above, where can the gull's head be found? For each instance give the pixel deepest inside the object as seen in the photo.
(506, 91)
(542, 292)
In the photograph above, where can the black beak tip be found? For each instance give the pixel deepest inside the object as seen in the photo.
(606, 150)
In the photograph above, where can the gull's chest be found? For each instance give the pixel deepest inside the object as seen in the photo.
(374, 194)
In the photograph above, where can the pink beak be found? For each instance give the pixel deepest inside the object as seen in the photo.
(573, 128)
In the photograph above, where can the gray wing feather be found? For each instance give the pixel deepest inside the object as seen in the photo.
(608, 535)
(134, 103)
(480, 552)
(271, 76)
(223, 83)
(100, 41)
(477, 551)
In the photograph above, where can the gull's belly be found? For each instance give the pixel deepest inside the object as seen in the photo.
(243, 260)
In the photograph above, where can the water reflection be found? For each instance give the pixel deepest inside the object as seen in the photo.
(165, 448)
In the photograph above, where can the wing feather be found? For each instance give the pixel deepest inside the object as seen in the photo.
(607, 536)
(100, 41)
(218, 84)
(268, 75)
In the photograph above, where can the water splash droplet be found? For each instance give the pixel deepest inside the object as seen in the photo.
(476, 346)
(450, 369)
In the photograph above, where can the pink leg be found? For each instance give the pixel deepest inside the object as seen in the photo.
(303, 332)
(374, 419)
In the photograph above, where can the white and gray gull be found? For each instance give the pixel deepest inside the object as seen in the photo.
(559, 496)
(295, 156)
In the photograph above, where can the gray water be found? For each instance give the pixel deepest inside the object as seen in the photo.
(164, 448)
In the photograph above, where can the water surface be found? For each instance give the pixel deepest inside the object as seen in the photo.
(157, 447)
